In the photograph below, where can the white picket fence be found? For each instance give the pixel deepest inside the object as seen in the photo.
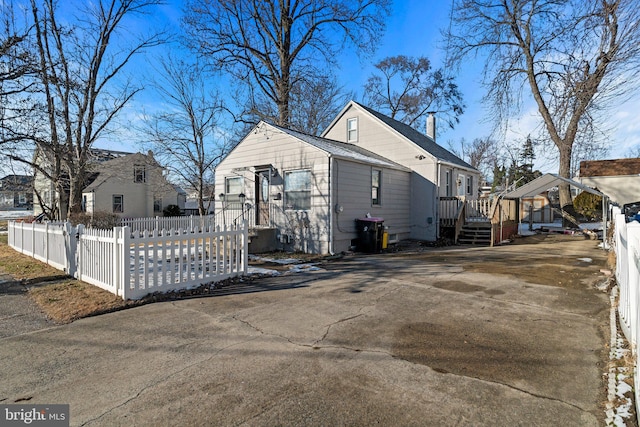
(626, 240)
(189, 223)
(132, 265)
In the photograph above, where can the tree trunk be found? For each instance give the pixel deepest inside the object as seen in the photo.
(564, 190)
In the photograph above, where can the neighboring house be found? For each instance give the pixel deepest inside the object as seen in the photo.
(16, 191)
(618, 178)
(45, 194)
(437, 173)
(130, 185)
(191, 206)
(311, 189)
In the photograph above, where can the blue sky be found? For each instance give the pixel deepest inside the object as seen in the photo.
(413, 29)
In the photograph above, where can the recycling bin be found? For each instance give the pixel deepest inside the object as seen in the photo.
(370, 234)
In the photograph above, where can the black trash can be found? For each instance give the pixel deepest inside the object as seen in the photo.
(370, 232)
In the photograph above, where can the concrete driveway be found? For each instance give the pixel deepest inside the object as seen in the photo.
(449, 336)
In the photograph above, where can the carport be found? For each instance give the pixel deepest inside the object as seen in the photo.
(550, 180)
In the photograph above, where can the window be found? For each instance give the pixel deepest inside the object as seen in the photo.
(469, 185)
(447, 181)
(84, 203)
(297, 189)
(352, 129)
(139, 173)
(157, 204)
(118, 203)
(233, 188)
(376, 176)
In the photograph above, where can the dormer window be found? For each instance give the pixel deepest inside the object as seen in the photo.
(139, 174)
(352, 129)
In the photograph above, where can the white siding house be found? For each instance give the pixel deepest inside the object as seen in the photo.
(311, 189)
(437, 173)
(131, 186)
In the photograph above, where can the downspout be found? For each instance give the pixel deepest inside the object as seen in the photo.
(331, 219)
(437, 180)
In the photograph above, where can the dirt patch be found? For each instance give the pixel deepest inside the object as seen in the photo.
(458, 286)
(471, 349)
(70, 300)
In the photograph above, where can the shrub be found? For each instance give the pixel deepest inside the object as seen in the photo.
(99, 219)
(172, 210)
(588, 205)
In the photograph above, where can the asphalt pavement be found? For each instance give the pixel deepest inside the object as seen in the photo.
(424, 338)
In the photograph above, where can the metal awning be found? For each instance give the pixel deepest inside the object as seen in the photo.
(544, 183)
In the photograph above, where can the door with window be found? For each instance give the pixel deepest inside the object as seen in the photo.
(263, 187)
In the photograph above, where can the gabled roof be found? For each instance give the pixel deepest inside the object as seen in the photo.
(108, 168)
(614, 167)
(545, 182)
(341, 150)
(421, 140)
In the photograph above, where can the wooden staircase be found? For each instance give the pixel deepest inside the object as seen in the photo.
(475, 233)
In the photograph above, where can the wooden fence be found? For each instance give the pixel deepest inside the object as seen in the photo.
(134, 264)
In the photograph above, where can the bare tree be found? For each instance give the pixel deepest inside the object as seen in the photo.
(187, 137)
(481, 153)
(571, 57)
(272, 45)
(314, 103)
(407, 88)
(80, 63)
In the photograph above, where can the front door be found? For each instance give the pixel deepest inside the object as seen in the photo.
(262, 197)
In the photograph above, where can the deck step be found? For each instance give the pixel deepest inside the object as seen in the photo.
(475, 233)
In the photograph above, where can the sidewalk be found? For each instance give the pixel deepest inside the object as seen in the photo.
(18, 315)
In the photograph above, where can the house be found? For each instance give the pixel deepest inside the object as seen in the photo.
(437, 174)
(129, 185)
(310, 189)
(16, 191)
(619, 179)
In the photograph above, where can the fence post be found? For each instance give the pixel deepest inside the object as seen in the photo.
(245, 247)
(74, 257)
(123, 255)
(46, 242)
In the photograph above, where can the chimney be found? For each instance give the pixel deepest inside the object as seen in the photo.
(431, 125)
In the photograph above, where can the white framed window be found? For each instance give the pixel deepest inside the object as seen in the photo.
(139, 174)
(352, 129)
(376, 182)
(233, 187)
(157, 204)
(118, 203)
(447, 183)
(297, 190)
(469, 185)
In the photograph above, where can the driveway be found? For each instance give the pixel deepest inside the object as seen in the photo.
(505, 336)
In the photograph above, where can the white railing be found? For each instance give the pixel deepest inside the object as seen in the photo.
(478, 210)
(134, 264)
(626, 241)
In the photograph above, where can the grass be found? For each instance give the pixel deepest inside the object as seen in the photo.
(60, 297)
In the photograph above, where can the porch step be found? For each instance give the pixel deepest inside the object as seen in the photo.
(475, 233)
